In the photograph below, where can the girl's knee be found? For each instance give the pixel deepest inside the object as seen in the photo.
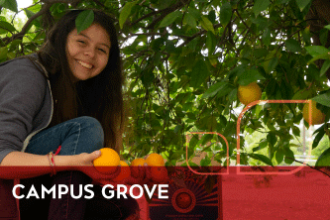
(88, 121)
(92, 132)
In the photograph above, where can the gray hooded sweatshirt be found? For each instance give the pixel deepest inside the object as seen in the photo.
(26, 104)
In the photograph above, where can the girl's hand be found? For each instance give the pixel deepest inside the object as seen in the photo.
(85, 159)
(84, 163)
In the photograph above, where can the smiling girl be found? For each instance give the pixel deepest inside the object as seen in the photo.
(88, 52)
(69, 94)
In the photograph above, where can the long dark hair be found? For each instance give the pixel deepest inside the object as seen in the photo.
(99, 97)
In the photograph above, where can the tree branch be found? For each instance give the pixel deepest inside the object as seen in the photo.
(163, 13)
(146, 16)
(21, 34)
(102, 5)
(240, 17)
(22, 10)
(198, 34)
(167, 11)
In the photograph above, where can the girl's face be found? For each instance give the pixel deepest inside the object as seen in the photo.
(88, 51)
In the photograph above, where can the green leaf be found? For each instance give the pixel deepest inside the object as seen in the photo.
(11, 5)
(313, 72)
(193, 141)
(1, 2)
(225, 14)
(302, 4)
(317, 50)
(271, 138)
(205, 161)
(226, 90)
(325, 67)
(302, 94)
(327, 26)
(125, 12)
(323, 99)
(324, 159)
(292, 45)
(195, 13)
(232, 95)
(35, 8)
(14, 44)
(272, 64)
(261, 22)
(207, 24)
(35, 22)
(7, 26)
(260, 53)
(211, 123)
(262, 145)
(84, 20)
(319, 130)
(169, 19)
(323, 36)
(260, 5)
(262, 158)
(190, 20)
(296, 131)
(279, 156)
(266, 36)
(147, 77)
(29, 13)
(307, 36)
(318, 138)
(3, 53)
(251, 75)
(192, 164)
(211, 16)
(289, 156)
(206, 138)
(322, 57)
(199, 74)
(210, 42)
(214, 89)
(177, 128)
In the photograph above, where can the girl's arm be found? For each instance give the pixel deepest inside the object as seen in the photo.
(25, 165)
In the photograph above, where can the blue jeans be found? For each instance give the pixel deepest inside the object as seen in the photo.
(83, 134)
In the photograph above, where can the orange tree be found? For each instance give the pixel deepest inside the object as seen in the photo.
(185, 59)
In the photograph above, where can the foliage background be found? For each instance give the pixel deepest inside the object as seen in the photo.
(184, 60)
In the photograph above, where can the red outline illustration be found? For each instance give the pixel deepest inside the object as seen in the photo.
(238, 167)
(227, 172)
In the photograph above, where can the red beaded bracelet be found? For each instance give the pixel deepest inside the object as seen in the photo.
(51, 159)
(52, 162)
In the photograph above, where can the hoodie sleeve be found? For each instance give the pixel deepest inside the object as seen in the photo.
(22, 91)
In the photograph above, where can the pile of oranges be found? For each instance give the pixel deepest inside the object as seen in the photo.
(109, 161)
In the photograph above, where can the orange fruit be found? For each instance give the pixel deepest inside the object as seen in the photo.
(318, 117)
(108, 161)
(138, 161)
(155, 160)
(135, 171)
(125, 172)
(249, 93)
(158, 174)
